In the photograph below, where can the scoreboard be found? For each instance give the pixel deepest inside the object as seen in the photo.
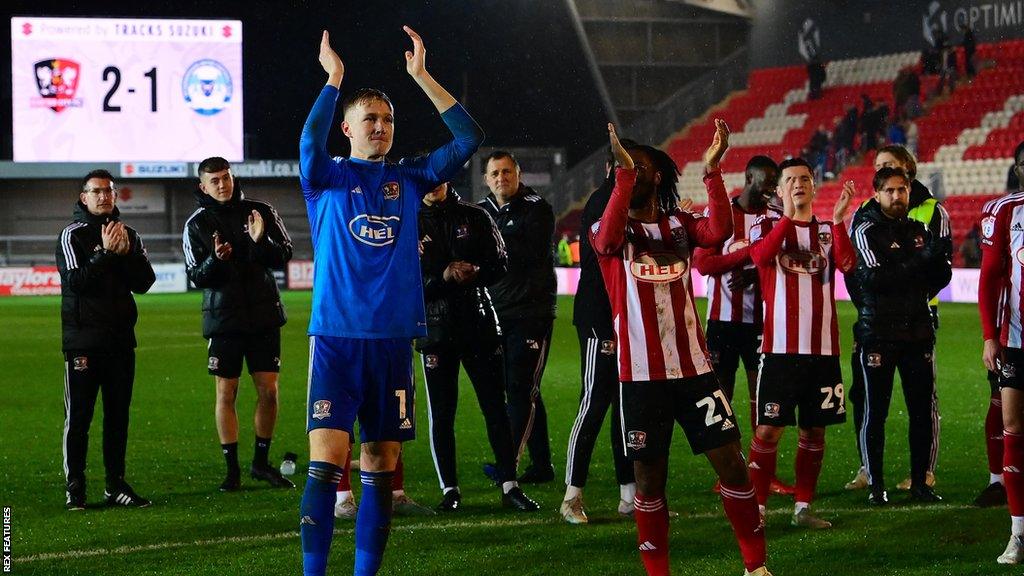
(120, 90)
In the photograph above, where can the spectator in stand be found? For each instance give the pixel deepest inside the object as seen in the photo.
(564, 252)
(907, 93)
(845, 134)
(932, 54)
(816, 75)
(897, 134)
(910, 128)
(970, 249)
(969, 45)
(872, 123)
(817, 151)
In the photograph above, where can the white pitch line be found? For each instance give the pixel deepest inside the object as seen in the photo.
(78, 554)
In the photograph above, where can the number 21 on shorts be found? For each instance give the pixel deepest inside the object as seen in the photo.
(708, 403)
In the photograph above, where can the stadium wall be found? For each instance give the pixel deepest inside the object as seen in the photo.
(784, 31)
(37, 210)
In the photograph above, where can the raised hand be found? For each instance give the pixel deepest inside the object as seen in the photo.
(788, 209)
(719, 144)
(685, 204)
(330, 61)
(222, 250)
(108, 236)
(843, 202)
(122, 245)
(415, 61)
(622, 157)
(255, 226)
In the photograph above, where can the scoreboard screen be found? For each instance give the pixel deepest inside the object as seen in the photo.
(119, 90)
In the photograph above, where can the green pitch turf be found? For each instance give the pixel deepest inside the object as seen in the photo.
(174, 459)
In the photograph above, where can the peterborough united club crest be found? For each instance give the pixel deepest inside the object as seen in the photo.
(321, 409)
(206, 87)
(57, 82)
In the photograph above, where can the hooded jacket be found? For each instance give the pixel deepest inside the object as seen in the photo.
(527, 224)
(899, 267)
(453, 230)
(97, 309)
(240, 294)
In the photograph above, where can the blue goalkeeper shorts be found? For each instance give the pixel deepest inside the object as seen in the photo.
(368, 379)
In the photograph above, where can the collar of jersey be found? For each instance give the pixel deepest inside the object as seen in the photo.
(366, 162)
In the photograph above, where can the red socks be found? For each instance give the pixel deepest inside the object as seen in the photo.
(398, 480)
(652, 533)
(762, 462)
(1013, 471)
(346, 483)
(994, 434)
(741, 509)
(809, 454)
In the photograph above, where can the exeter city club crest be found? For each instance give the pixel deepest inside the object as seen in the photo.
(57, 82)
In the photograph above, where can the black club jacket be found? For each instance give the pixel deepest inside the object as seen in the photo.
(97, 309)
(527, 224)
(899, 268)
(240, 295)
(451, 231)
(591, 308)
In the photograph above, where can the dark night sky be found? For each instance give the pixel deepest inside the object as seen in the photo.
(518, 63)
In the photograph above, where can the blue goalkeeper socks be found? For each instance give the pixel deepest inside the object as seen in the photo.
(373, 522)
(316, 524)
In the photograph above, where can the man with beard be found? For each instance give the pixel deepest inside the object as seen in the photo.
(897, 272)
(924, 208)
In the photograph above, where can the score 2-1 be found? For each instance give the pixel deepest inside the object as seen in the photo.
(112, 74)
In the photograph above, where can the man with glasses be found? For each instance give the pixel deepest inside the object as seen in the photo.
(101, 262)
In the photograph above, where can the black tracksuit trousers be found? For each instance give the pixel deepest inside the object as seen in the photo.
(599, 371)
(86, 373)
(878, 363)
(527, 342)
(484, 364)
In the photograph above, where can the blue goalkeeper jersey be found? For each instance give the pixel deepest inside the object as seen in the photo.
(363, 218)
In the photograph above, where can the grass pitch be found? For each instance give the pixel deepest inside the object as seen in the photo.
(174, 459)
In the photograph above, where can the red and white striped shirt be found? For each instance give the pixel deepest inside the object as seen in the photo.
(646, 269)
(1001, 284)
(716, 263)
(796, 262)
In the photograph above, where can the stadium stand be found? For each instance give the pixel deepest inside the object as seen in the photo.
(966, 138)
